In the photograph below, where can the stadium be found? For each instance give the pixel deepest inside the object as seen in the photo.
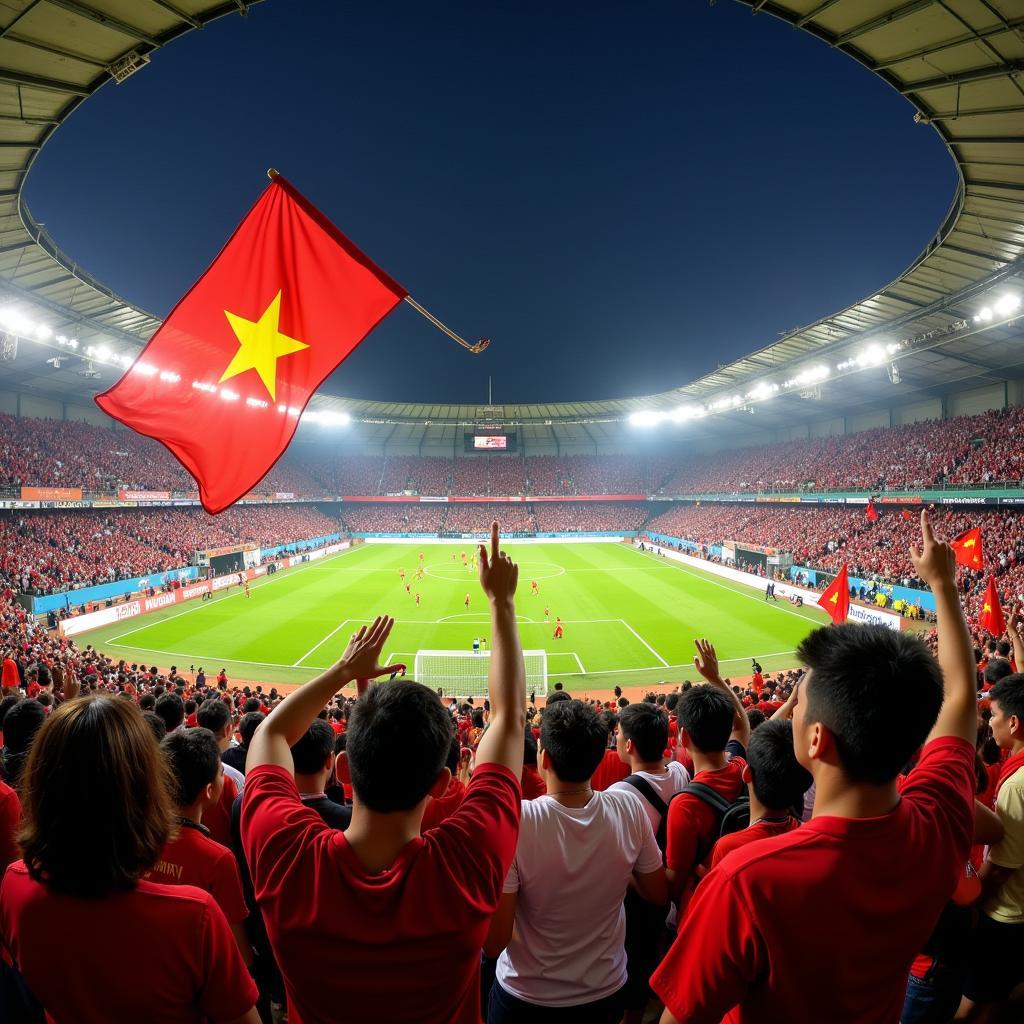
(723, 507)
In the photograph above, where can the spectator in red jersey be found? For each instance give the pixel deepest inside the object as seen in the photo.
(997, 961)
(444, 806)
(191, 857)
(342, 909)
(86, 851)
(641, 744)
(751, 947)
(777, 783)
(714, 731)
(10, 819)
(561, 938)
(533, 785)
(612, 768)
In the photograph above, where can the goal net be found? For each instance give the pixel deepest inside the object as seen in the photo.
(464, 673)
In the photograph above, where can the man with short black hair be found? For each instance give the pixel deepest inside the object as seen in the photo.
(876, 864)
(343, 908)
(997, 949)
(777, 783)
(247, 726)
(313, 756)
(560, 936)
(171, 708)
(714, 731)
(192, 857)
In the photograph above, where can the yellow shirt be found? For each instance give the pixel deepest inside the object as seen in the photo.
(1007, 903)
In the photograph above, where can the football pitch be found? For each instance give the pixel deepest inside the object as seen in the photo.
(629, 617)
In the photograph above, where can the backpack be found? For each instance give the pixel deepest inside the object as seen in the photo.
(733, 816)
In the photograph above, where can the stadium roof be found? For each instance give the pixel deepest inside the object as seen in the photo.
(959, 63)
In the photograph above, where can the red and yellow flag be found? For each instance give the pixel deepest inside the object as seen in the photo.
(991, 617)
(836, 599)
(968, 548)
(224, 380)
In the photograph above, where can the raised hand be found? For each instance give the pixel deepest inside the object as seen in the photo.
(361, 659)
(935, 560)
(499, 575)
(706, 661)
(1014, 621)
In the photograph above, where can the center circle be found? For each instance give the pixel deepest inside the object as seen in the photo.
(454, 572)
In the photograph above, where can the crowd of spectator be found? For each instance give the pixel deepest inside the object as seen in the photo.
(48, 552)
(364, 850)
(960, 450)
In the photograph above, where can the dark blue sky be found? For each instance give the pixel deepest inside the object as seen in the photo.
(621, 195)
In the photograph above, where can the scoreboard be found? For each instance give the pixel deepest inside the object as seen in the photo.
(497, 442)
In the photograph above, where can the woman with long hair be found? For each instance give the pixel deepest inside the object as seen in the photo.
(94, 941)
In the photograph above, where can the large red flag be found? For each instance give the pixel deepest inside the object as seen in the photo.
(836, 599)
(224, 380)
(968, 548)
(991, 617)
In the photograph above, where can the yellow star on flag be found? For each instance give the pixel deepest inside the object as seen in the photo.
(260, 345)
(969, 543)
(834, 599)
(986, 608)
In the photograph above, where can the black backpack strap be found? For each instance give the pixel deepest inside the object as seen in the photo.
(650, 794)
(711, 797)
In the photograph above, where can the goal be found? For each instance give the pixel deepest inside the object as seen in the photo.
(464, 673)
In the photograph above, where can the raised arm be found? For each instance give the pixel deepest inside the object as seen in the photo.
(935, 563)
(502, 743)
(706, 663)
(286, 724)
(785, 713)
(1013, 628)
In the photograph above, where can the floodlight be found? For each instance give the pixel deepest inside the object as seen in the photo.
(644, 418)
(1007, 304)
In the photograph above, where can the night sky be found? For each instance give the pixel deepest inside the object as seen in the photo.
(621, 195)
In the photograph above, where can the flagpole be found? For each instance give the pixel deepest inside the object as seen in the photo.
(480, 346)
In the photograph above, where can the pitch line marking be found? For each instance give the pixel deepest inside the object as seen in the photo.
(296, 664)
(583, 671)
(644, 642)
(231, 592)
(739, 593)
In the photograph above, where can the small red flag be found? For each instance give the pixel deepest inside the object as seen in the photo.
(907, 515)
(224, 380)
(968, 548)
(836, 599)
(991, 617)
(872, 512)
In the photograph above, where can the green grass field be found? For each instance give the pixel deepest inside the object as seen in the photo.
(630, 618)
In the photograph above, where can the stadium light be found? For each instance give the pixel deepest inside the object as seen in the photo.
(257, 403)
(228, 395)
(102, 353)
(644, 418)
(43, 332)
(873, 355)
(169, 376)
(1007, 304)
(202, 386)
(984, 315)
(145, 369)
(762, 391)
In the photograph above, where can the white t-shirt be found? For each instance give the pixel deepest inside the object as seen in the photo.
(234, 773)
(673, 779)
(571, 870)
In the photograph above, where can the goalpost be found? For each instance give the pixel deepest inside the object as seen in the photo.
(464, 673)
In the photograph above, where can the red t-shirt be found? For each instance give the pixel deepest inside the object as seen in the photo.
(339, 931)
(759, 940)
(610, 770)
(197, 974)
(195, 859)
(10, 819)
(758, 830)
(692, 824)
(445, 805)
(217, 818)
(533, 785)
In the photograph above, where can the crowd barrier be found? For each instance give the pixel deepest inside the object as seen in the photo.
(512, 538)
(188, 592)
(858, 613)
